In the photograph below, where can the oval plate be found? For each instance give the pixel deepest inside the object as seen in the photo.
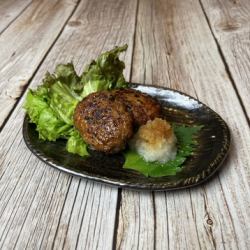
(213, 145)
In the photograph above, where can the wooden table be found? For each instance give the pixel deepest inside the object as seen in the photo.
(199, 47)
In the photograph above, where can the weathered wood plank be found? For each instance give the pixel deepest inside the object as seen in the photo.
(230, 24)
(41, 207)
(136, 221)
(10, 10)
(174, 48)
(24, 45)
(227, 17)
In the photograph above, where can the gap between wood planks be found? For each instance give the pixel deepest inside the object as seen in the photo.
(15, 18)
(225, 64)
(39, 65)
(118, 206)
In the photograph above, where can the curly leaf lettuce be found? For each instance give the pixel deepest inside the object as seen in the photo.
(51, 106)
(76, 145)
(63, 101)
(66, 73)
(49, 126)
(186, 144)
(104, 73)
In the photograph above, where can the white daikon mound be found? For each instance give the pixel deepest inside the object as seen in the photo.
(155, 141)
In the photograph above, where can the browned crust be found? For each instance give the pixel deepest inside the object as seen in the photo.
(104, 122)
(142, 106)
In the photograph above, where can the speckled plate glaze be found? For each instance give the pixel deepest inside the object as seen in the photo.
(213, 145)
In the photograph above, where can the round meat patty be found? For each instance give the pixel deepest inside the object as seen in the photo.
(142, 106)
(103, 122)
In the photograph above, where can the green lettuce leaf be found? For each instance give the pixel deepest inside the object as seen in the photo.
(63, 87)
(35, 103)
(104, 73)
(65, 73)
(52, 104)
(49, 126)
(63, 101)
(76, 145)
(186, 144)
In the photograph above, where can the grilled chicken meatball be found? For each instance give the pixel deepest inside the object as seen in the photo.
(142, 106)
(103, 122)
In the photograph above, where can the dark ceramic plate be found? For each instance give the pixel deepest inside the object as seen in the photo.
(213, 146)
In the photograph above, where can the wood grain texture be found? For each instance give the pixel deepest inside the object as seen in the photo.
(174, 47)
(44, 208)
(228, 17)
(10, 10)
(230, 24)
(136, 221)
(24, 45)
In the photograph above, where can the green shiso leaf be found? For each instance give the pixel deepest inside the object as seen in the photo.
(186, 144)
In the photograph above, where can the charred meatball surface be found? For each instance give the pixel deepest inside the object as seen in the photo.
(104, 122)
(142, 106)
